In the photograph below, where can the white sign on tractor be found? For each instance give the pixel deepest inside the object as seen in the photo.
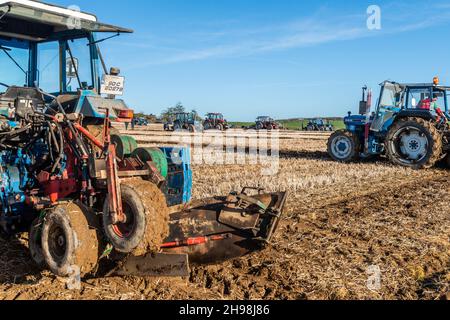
(112, 85)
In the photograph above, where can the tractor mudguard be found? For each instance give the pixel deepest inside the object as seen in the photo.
(417, 113)
(213, 231)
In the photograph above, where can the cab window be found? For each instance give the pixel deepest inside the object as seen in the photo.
(48, 67)
(82, 56)
(13, 66)
(419, 98)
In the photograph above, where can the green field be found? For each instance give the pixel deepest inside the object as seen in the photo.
(292, 124)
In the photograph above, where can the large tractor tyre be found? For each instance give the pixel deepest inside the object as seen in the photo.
(220, 127)
(446, 160)
(344, 146)
(259, 126)
(207, 125)
(147, 219)
(414, 143)
(35, 243)
(71, 240)
(97, 131)
(192, 128)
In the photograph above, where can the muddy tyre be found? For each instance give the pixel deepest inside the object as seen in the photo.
(414, 143)
(344, 146)
(147, 219)
(70, 243)
(219, 127)
(35, 244)
(192, 128)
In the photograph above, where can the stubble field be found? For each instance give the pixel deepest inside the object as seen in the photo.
(344, 226)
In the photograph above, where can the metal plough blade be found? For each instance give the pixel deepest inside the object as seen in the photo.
(155, 265)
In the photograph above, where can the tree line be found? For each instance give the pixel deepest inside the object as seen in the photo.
(168, 114)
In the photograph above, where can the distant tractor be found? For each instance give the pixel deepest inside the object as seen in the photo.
(141, 122)
(215, 121)
(266, 123)
(410, 126)
(186, 121)
(319, 125)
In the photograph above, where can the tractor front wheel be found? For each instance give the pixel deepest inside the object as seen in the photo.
(35, 243)
(147, 219)
(71, 240)
(344, 146)
(414, 143)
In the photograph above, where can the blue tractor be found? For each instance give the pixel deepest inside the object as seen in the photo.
(409, 126)
(82, 191)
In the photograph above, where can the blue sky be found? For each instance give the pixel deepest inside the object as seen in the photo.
(283, 58)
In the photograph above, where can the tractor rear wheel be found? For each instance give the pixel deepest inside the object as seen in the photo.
(147, 219)
(414, 143)
(71, 240)
(219, 127)
(35, 243)
(344, 146)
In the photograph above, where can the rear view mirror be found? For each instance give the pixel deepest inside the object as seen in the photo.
(71, 67)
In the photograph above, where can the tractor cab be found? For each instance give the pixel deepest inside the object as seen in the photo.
(187, 121)
(264, 119)
(49, 52)
(215, 116)
(428, 101)
(318, 122)
(185, 117)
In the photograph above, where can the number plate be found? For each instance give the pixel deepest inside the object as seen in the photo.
(112, 85)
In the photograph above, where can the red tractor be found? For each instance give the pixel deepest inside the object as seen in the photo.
(215, 121)
(266, 123)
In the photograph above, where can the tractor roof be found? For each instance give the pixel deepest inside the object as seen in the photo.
(38, 21)
(418, 85)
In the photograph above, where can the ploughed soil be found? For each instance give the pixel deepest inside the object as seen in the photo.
(388, 239)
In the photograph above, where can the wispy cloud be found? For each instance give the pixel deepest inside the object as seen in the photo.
(320, 28)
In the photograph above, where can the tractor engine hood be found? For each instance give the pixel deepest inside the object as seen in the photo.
(94, 106)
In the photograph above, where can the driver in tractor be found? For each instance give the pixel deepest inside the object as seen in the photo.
(433, 105)
(441, 117)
